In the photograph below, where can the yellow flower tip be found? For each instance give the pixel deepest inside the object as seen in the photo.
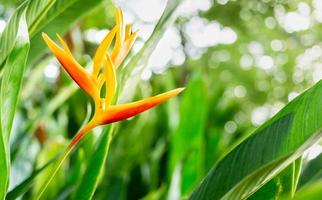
(102, 49)
(118, 11)
(58, 36)
(60, 39)
(119, 16)
(129, 31)
(118, 55)
(44, 35)
(134, 34)
(179, 90)
(167, 95)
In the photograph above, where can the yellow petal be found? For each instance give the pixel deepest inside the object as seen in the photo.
(119, 57)
(100, 81)
(102, 49)
(120, 33)
(65, 46)
(128, 31)
(110, 76)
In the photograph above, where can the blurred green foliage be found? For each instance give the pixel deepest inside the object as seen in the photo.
(231, 89)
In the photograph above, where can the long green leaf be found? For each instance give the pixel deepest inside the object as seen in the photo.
(58, 20)
(190, 152)
(10, 87)
(284, 184)
(311, 172)
(272, 147)
(9, 34)
(95, 166)
(35, 11)
(312, 191)
(26, 184)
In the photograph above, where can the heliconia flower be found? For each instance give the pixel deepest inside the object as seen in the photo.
(105, 64)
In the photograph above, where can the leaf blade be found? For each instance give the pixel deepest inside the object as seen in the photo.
(10, 88)
(35, 10)
(275, 149)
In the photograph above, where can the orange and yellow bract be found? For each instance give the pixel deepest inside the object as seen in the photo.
(105, 64)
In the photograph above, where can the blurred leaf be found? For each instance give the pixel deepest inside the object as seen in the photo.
(56, 169)
(193, 104)
(311, 172)
(312, 191)
(156, 194)
(131, 77)
(272, 147)
(10, 87)
(95, 166)
(35, 11)
(9, 35)
(58, 20)
(100, 17)
(52, 149)
(26, 184)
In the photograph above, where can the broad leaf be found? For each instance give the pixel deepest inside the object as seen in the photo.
(10, 87)
(270, 149)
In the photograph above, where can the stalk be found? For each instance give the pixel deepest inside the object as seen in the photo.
(63, 157)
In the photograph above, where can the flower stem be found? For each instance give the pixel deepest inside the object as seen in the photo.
(63, 157)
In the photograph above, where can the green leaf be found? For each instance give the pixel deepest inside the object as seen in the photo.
(26, 184)
(9, 34)
(35, 11)
(58, 20)
(284, 184)
(297, 167)
(269, 150)
(95, 166)
(52, 16)
(311, 172)
(45, 182)
(131, 77)
(10, 87)
(190, 151)
(311, 191)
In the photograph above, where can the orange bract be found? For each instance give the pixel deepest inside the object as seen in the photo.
(107, 62)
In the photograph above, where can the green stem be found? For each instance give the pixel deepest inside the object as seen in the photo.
(68, 150)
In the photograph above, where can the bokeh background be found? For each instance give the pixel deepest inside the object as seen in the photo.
(241, 61)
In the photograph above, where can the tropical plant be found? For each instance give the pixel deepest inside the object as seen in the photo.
(237, 131)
